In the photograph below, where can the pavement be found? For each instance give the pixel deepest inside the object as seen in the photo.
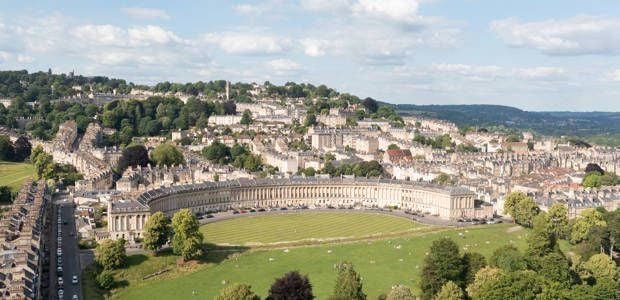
(427, 219)
(70, 252)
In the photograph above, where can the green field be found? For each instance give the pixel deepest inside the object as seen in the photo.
(305, 227)
(14, 174)
(381, 263)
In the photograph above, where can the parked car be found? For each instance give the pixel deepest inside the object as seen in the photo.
(60, 281)
(59, 270)
(74, 279)
(61, 293)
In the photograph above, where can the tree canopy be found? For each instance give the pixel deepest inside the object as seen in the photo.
(187, 238)
(167, 154)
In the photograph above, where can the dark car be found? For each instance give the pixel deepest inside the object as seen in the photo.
(261, 209)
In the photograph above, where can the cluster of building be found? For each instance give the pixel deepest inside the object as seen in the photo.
(22, 243)
(478, 181)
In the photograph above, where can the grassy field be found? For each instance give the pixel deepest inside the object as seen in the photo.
(381, 263)
(14, 174)
(304, 227)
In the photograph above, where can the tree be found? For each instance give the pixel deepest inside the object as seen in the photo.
(555, 267)
(187, 238)
(156, 232)
(6, 148)
(592, 167)
(507, 258)
(133, 156)
(105, 279)
(310, 120)
(167, 154)
(371, 105)
(309, 171)
(6, 197)
(246, 118)
(558, 220)
(473, 262)
(541, 240)
(510, 204)
(348, 284)
(239, 291)
(587, 219)
(525, 211)
(484, 277)
(521, 285)
(110, 254)
(22, 148)
(292, 286)
(230, 108)
(393, 147)
(601, 266)
(400, 292)
(450, 291)
(443, 264)
(592, 180)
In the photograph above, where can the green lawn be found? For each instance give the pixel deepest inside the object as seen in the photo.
(381, 263)
(304, 227)
(14, 174)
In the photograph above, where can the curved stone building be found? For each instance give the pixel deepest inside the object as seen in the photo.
(126, 218)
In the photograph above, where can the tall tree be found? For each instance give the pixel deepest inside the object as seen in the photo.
(521, 285)
(558, 220)
(371, 105)
(473, 262)
(133, 156)
(239, 291)
(22, 148)
(484, 278)
(541, 240)
(110, 254)
(450, 291)
(246, 118)
(601, 266)
(156, 232)
(525, 211)
(587, 219)
(6, 148)
(166, 154)
(292, 286)
(400, 292)
(348, 284)
(510, 204)
(187, 238)
(442, 264)
(507, 258)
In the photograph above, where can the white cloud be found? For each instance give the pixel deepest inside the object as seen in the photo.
(398, 10)
(151, 35)
(24, 58)
(579, 35)
(611, 76)
(4, 56)
(248, 43)
(314, 47)
(541, 73)
(283, 65)
(145, 13)
(105, 35)
(325, 5)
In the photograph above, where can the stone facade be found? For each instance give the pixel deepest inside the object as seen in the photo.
(448, 203)
(22, 236)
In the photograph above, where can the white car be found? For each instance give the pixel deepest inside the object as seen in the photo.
(61, 293)
(59, 270)
(60, 281)
(59, 251)
(74, 279)
(75, 297)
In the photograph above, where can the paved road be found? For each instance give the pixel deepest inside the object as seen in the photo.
(70, 253)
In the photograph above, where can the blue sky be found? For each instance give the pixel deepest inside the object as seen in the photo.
(535, 55)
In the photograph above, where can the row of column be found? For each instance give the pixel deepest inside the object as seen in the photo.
(128, 222)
